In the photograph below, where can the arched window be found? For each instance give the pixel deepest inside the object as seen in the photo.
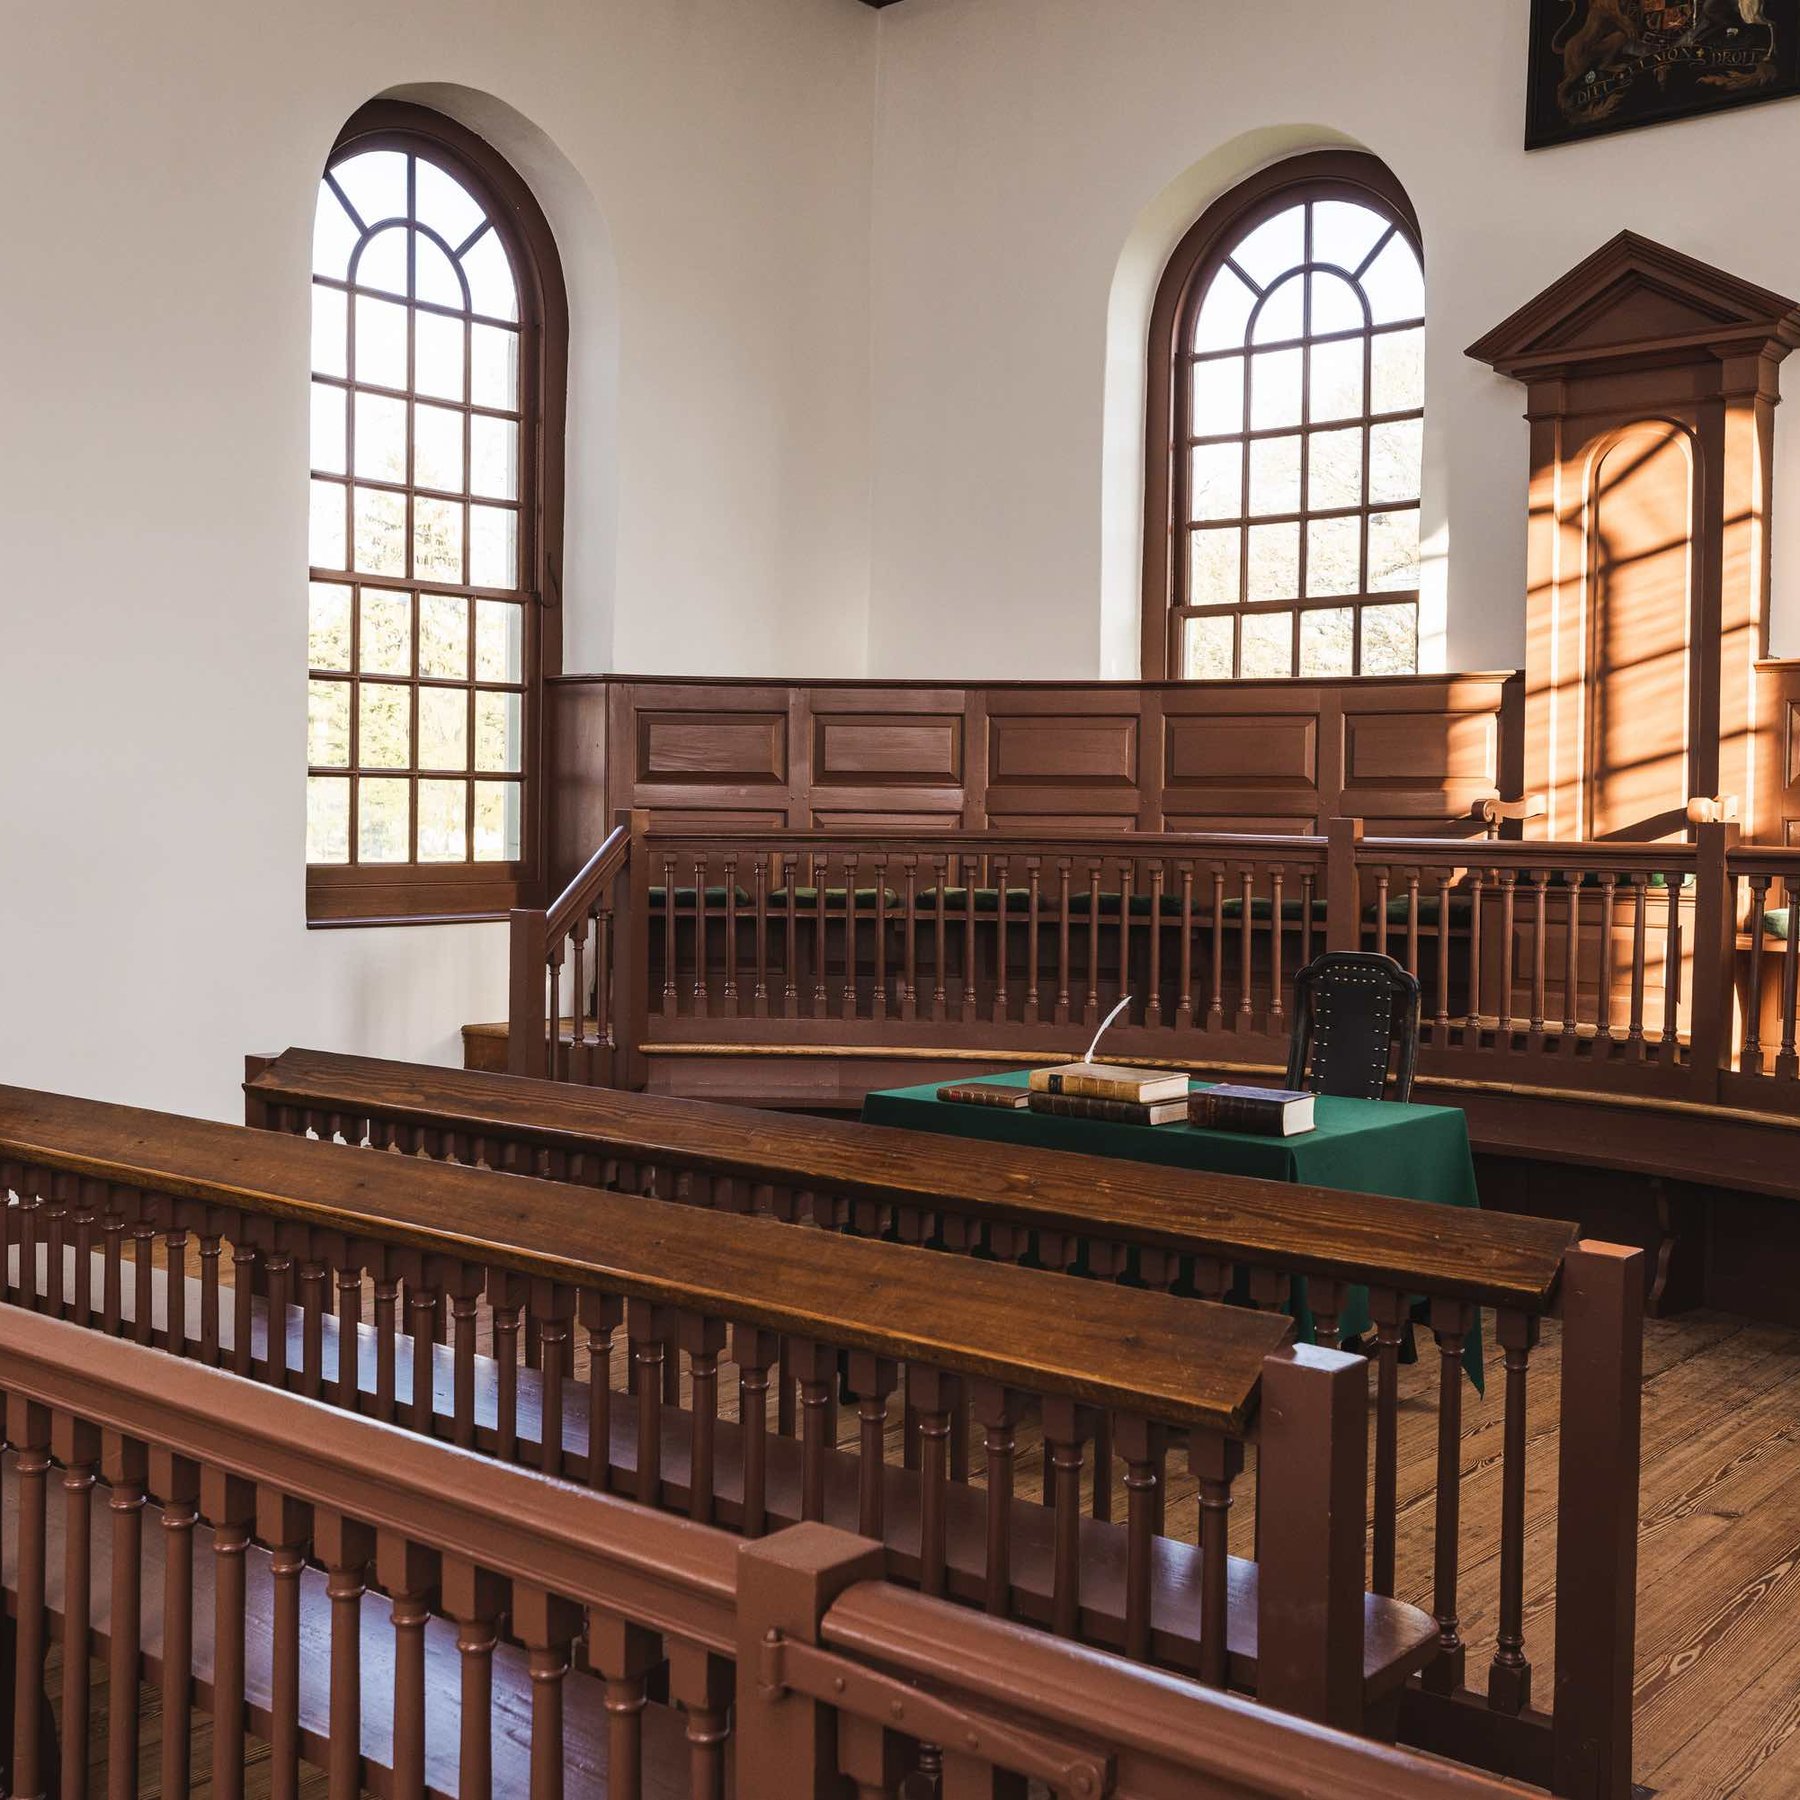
(439, 341)
(1286, 404)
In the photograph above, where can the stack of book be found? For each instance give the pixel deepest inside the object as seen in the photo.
(1109, 1091)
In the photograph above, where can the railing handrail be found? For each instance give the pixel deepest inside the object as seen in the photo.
(1495, 1259)
(1121, 841)
(1552, 855)
(1188, 1364)
(600, 869)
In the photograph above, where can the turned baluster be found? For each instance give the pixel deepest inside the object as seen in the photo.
(1277, 1023)
(649, 1327)
(1184, 1005)
(56, 1232)
(754, 1351)
(1639, 886)
(548, 1627)
(815, 1366)
(125, 1465)
(970, 877)
(463, 1283)
(759, 997)
(1153, 1009)
(1477, 890)
(421, 1310)
(1090, 1011)
(998, 1410)
(1142, 1443)
(477, 1600)
(1000, 874)
(933, 1394)
(1750, 1055)
(671, 1004)
(112, 1294)
(312, 1326)
(704, 1341)
(1246, 947)
(143, 1255)
(31, 1214)
(90, 1196)
(1388, 1310)
(1215, 1462)
(1034, 866)
(553, 1306)
(1067, 1427)
(1383, 882)
(702, 921)
(1787, 1062)
(1412, 923)
(1442, 1018)
(346, 1549)
(1509, 1675)
(285, 1526)
(1509, 881)
(729, 997)
(703, 1686)
(1325, 1301)
(28, 1431)
(872, 1379)
(909, 945)
(1667, 1038)
(1451, 1323)
(599, 1315)
(820, 871)
(1608, 898)
(624, 1655)
(847, 996)
(176, 1483)
(506, 1299)
(1062, 940)
(409, 1576)
(228, 1505)
(790, 876)
(878, 997)
(75, 1445)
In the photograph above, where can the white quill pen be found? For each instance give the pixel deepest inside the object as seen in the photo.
(1098, 1035)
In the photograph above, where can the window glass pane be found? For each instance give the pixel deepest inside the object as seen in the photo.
(1333, 557)
(380, 438)
(380, 342)
(1224, 314)
(382, 264)
(1393, 551)
(434, 275)
(493, 547)
(438, 448)
(1335, 306)
(496, 821)
(1337, 380)
(494, 458)
(1282, 317)
(328, 724)
(444, 636)
(497, 731)
(499, 641)
(1215, 560)
(380, 532)
(1274, 247)
(328, 625)
(374, 182)
(1344, 233)
(334, 236)
(1275, 475)
(327, 819)
(1397, 372)
(385, 641)
(330, 332)
(325, 534)
(443, 821)
(1395, 455)
(1334, 469)
(383, 725)
(382, 828)
(1218, 396)
(328, 433)
(443, 203)
(443, 728)
(1207, 645)
(494, 367)
(1395, 284)
(1216, 481)
(1275, 389)
(490, 278)
(1327, 643)
(1390, 639)
(1274, 562)
(438, 356)
(1268, 646)
(437, 539)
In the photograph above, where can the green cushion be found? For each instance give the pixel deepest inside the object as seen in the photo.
(986, 899)
(809, 896)
(1292, 911)
(1462, 907)
(1082, 904)
(684, 896)
(1776, 921)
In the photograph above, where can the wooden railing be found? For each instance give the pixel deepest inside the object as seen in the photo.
(1663, 970)
(1107, 1373)
(1189, 1234)
(337, 1586)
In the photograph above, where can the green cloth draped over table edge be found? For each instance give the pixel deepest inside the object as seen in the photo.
(1359, 1146)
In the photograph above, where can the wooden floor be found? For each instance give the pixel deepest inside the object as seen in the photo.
(1717, 1713)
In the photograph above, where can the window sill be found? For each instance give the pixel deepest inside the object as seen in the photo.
(340, 897)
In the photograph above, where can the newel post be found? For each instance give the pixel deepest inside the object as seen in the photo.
(1711, 1025)
(1343, 892)
(1602, 1304)
(631, 957)
(1312, 1489)
(787, 1742)
(527, 1005)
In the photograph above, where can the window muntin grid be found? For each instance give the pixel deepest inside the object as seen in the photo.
(417, 688)
(1299, 410)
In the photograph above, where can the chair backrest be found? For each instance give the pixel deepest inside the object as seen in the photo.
(1356, 1014)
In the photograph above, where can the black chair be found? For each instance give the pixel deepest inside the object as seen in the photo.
(1356, 1017)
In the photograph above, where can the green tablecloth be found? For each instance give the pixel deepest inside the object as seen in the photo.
(1361, 1146)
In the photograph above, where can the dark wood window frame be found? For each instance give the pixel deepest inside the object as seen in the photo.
(1321, 175)
(415, 893)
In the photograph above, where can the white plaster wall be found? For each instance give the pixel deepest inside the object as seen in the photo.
(1021, 149)
(707, 164)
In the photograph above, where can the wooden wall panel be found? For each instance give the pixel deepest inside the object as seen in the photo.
(1776, 805)
(1408, 755)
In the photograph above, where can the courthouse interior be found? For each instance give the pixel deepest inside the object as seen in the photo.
(897, 899)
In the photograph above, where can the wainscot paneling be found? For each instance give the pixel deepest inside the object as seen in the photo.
(1411, 756)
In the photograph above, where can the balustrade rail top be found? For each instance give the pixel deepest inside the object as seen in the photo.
(1108, 837)
(1554, 856)
(1491, 1259)
(1181, 1362)
(522, 1525)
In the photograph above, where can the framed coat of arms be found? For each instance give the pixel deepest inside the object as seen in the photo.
(1608, 65)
